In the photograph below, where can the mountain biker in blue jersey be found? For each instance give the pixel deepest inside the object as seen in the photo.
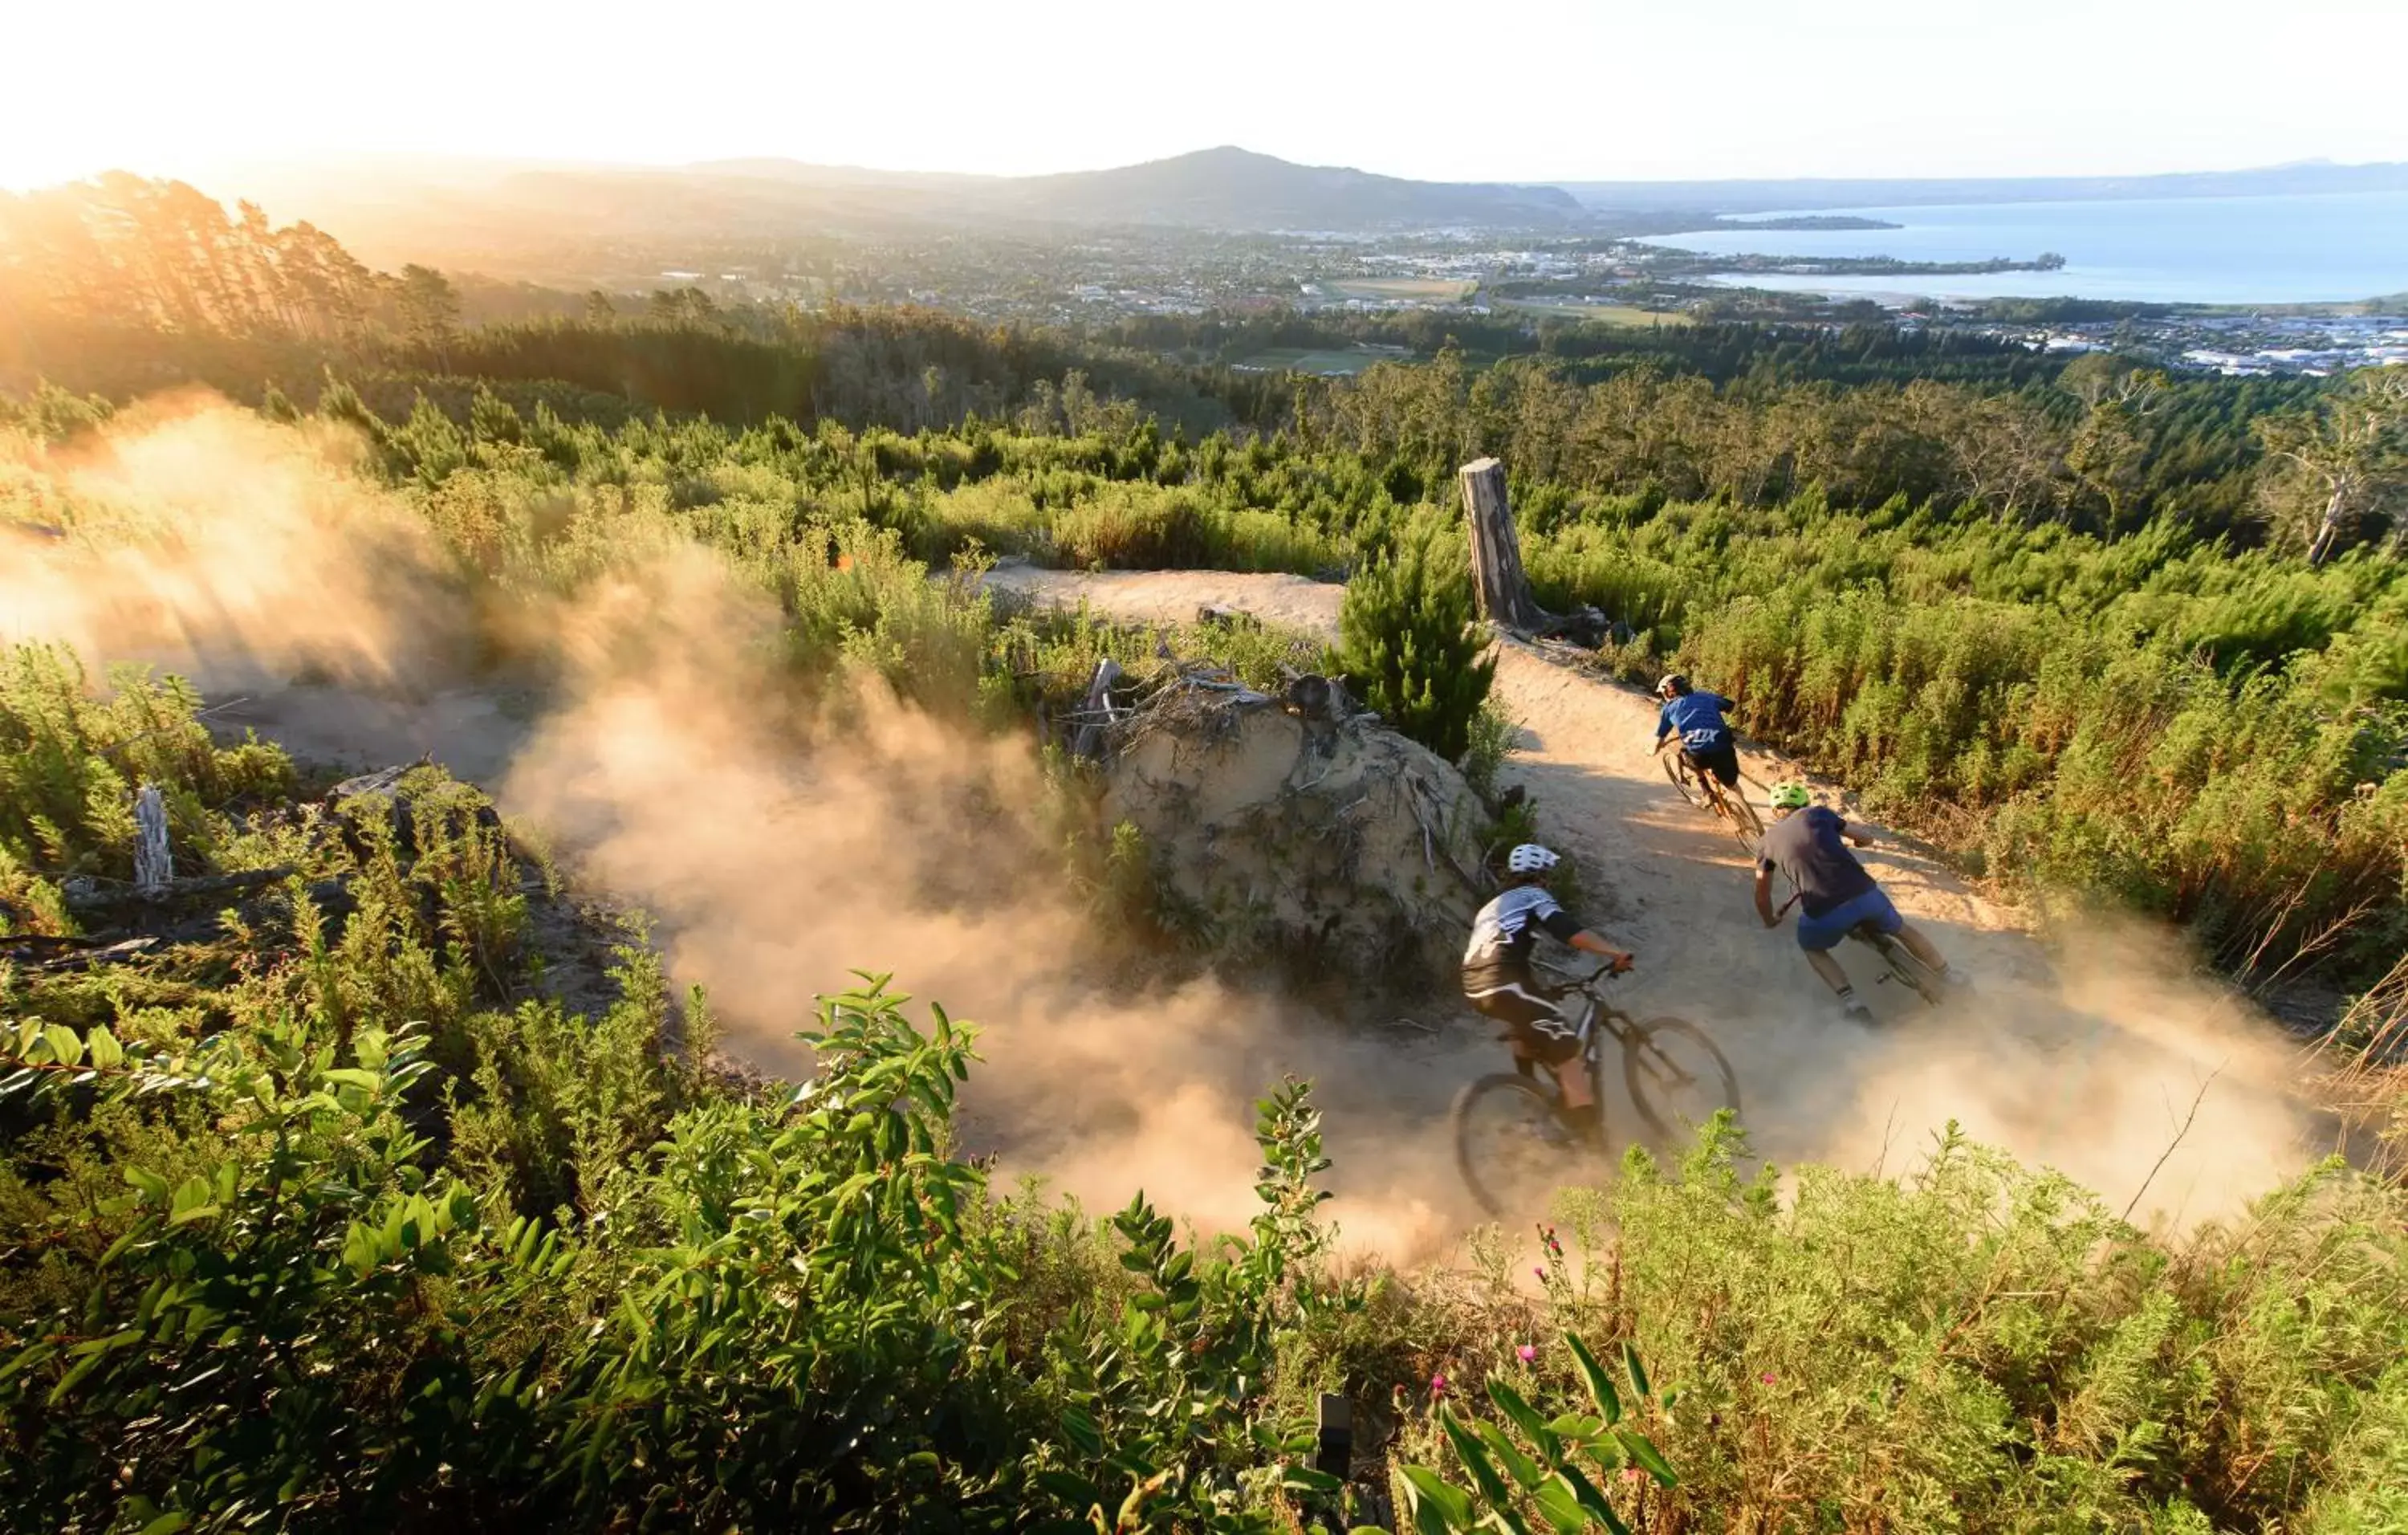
(1497, 979)
(1696, 720)
(1808, 843)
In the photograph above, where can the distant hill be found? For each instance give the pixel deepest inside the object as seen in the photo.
(1721, 198)
(386, 208)
(1230, 187)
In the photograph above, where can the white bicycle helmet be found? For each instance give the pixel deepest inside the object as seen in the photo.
(1531, 859)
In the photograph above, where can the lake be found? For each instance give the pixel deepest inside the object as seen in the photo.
(2333, 247)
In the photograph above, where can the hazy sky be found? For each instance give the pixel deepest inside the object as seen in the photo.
(1506, 89)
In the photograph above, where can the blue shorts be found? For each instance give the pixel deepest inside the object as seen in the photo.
(1817, 935)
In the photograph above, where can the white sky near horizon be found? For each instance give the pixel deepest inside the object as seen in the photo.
(1512, 90)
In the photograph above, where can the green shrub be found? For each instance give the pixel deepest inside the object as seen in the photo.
(1409, 646)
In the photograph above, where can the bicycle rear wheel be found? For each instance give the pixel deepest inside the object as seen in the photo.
(1691, 790)
(1746, 824)
(1509, 1147)
(1903, 965)
(1678, 1078)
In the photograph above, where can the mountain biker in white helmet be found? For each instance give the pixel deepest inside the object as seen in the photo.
(1696, 720)
(1808, 842)
(1497, 979)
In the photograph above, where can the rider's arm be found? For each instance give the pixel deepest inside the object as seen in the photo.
(1764, 894)
(1621, 960)
(1567, 929)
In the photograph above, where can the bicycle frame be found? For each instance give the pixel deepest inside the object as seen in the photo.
(1596, 1011)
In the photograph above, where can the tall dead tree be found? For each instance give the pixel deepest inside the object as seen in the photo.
(1504, 591)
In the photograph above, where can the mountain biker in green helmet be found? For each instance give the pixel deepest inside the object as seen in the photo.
(1808, 843)
(1499, 981)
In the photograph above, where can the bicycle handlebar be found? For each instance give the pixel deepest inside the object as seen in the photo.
(1602, 971)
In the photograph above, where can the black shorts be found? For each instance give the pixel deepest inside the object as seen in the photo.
(1537, 1031)
(1720, 759)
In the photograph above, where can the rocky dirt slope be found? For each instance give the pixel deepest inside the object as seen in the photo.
(2086, 1052)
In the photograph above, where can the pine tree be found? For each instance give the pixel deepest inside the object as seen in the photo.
(1407, 643)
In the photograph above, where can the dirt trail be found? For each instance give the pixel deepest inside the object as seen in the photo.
(2085, 1053)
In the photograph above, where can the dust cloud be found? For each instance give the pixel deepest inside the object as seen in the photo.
(781, 845)
(778, 843)
(195, 535)
(783, 841)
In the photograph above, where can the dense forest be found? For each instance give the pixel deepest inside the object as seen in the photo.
(358, 1205)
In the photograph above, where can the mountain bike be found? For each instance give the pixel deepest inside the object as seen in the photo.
(1511, 1141)
(1706, 792)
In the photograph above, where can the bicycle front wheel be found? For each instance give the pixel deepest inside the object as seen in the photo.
(1678, 1078)
(1509, 1146)
(1691, 790)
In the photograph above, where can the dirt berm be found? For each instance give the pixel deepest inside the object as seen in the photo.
(1308, 837)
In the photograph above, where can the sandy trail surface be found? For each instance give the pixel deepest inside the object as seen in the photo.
(2086, 1052)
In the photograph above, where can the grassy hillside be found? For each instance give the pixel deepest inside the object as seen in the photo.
(355, 1208)
(354, 1190)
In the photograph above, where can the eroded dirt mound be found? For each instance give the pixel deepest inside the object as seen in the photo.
(1303, 833)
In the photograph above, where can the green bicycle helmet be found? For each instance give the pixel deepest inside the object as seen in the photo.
(1790, 796)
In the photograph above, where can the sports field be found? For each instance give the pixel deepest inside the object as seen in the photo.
(1422, 290)
(1327, 362)
(1604, 314)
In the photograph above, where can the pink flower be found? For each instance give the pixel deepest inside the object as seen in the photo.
(1541, 1272)
(1768, 1377)
(1525, 1352)
(1438, 1385)
(1632, 1473)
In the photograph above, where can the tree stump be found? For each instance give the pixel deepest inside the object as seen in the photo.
(1502, 589)
(154, 864)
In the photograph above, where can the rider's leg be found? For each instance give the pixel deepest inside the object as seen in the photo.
(1558, 1037)
(1572, 1077)
(1540, 1032)
(1817, 937)
(1921, 948)
(1828, 968)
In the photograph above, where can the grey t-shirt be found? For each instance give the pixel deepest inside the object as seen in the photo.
(1807, 847)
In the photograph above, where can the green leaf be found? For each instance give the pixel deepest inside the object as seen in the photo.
(1560, 1507)
(1600, 1386)
(1592, 1500)
(1643, 1451)
(75, 1377)
(1438, 1505)
(1072, 1488)
(1578, 1427)
(167, 1524)
(65, 1048)
(1080, 1431)
(1510, 1402)
(107, 1055)
(1638, 1372)
(1519, 1465)
(1475, 1459)
(1306, 1479)
(28, 1359)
